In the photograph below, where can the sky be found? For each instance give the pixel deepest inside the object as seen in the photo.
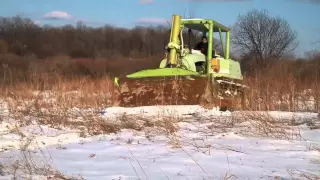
(303, 15)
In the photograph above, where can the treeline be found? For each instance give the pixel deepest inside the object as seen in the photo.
(22, 37)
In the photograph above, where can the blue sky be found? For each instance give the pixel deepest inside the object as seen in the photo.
(303, 15)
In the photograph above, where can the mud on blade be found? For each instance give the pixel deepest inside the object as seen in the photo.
(159, 91)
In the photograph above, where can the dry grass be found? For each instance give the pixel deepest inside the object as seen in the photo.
(73, 104)
(284, 93)
(76, 102)
(78, 92)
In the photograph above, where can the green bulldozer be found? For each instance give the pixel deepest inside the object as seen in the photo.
(187, 76)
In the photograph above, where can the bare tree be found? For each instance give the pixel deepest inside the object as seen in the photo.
(263, 36)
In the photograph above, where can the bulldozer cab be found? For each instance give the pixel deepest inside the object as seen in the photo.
(178, 51)
(208, 28)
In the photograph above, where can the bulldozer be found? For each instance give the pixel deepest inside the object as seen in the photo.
(187, 76)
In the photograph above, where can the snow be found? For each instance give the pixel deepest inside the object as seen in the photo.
(207, 144)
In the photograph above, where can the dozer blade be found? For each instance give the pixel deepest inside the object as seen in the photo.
(159, 91)
(180, 90)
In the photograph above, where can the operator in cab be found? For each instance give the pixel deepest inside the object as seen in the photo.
(203, 45)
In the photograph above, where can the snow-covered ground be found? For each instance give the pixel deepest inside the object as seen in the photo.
(173, 142)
